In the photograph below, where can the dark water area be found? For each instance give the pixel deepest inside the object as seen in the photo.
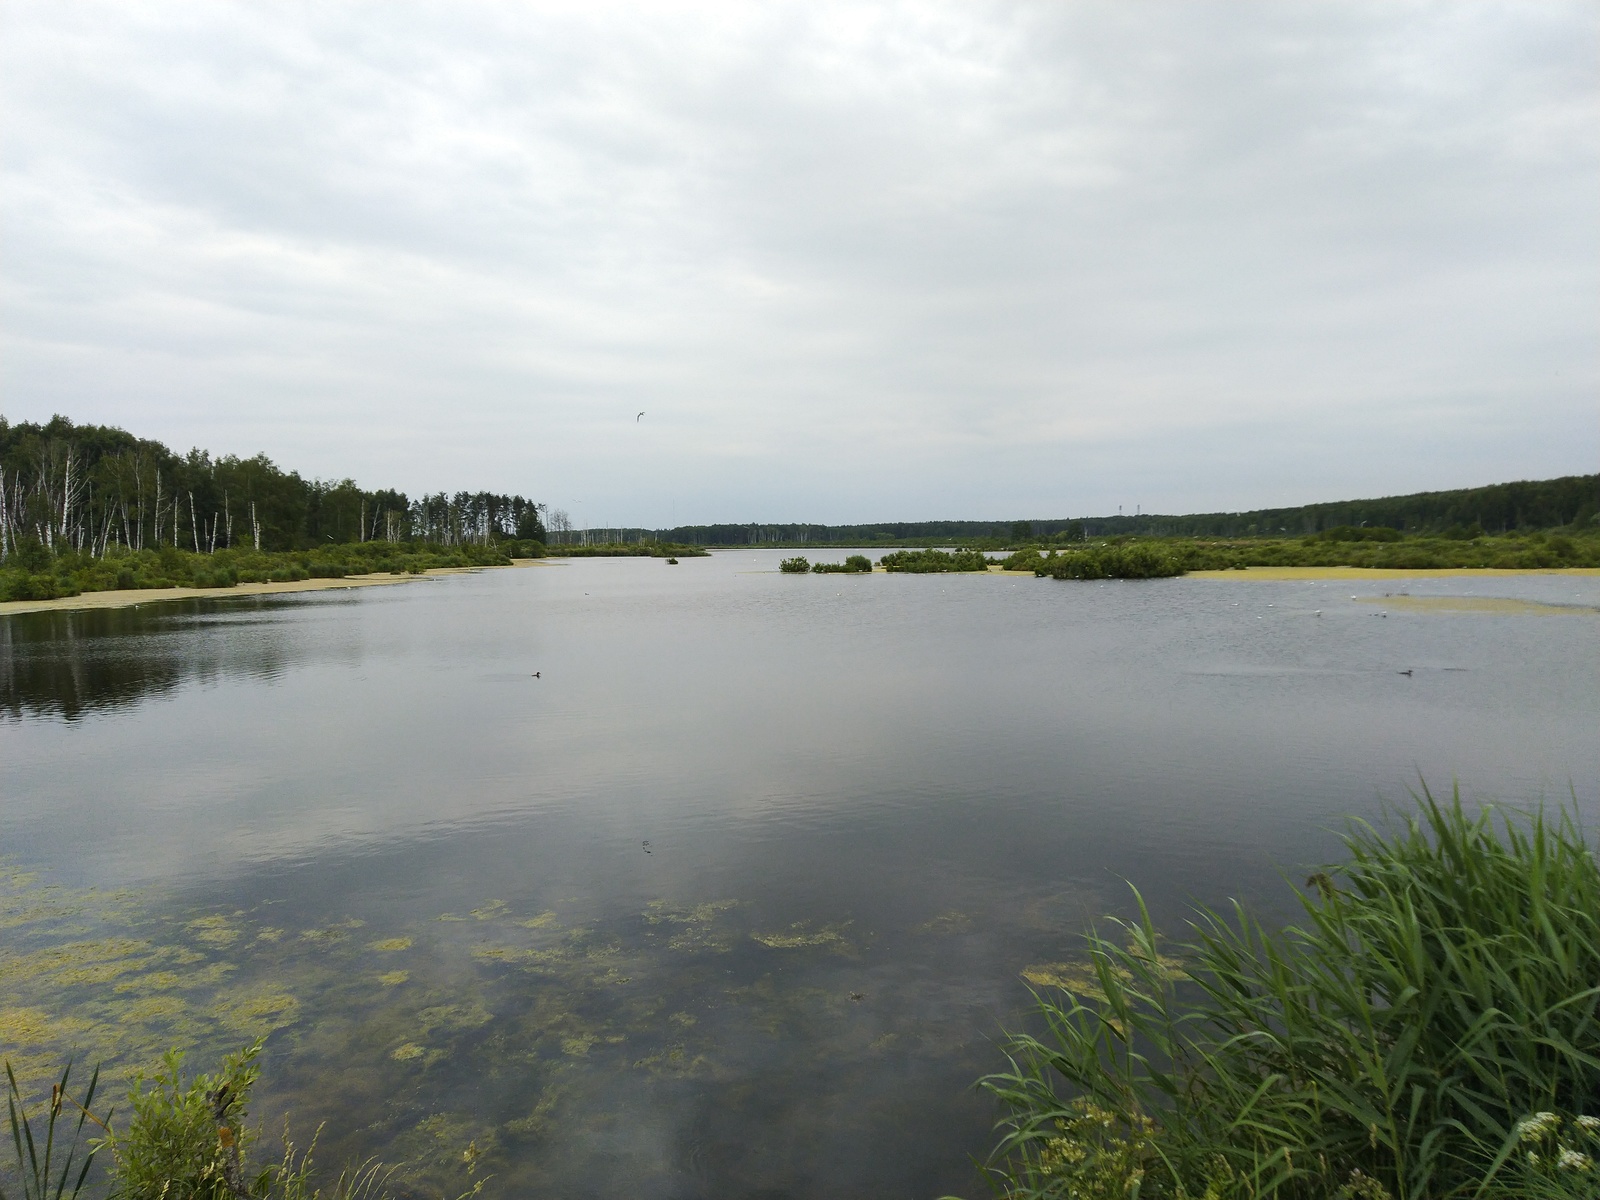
(735, 897)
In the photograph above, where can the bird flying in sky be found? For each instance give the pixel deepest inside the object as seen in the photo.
(637, 419)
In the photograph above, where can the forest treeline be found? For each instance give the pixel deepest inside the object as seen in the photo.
(89, 488)
(86, 488)
(1571, 502)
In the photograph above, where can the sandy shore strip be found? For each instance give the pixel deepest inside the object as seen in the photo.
(1357, 574)
(1479, 604)
(126, 599)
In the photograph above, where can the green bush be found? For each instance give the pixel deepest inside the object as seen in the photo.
(1135, 560)
(1353, 533)
(853, 565)
(922, 562)
(794, 566)
(189, 1141)
(1430, 1030)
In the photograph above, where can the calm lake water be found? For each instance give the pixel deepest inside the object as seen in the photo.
(736, 896)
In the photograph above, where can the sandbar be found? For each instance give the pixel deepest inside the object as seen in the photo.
(127, 598)
(1371, 573)
(1481, 604)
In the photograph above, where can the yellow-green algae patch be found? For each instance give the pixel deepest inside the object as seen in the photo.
(36, 1027)
(388, 945)
(1485, 605)
(947, 923)
(1280, 574)
(256, 1011)
(216, 930)
(394, 978)
(694, 928)
(1081, 979)
(803, 933)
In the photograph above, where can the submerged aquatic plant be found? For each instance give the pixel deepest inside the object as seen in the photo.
(1444, 984)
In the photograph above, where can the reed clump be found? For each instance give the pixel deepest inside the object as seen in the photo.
(1429, 1029)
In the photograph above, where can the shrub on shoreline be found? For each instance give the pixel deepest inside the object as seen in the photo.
(37, 574)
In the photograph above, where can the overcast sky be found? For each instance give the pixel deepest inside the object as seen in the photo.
(853, 261)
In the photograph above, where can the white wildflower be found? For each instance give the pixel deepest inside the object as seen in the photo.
(1571, 1160)
(1589, 1124)
(1531, 1129)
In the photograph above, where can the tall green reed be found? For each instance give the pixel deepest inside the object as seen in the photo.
(1443, 985)
(45, 1164)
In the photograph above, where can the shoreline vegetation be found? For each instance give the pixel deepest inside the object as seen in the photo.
(1331, 555)
(87, 508)
(1429, 1028)
(273, 575)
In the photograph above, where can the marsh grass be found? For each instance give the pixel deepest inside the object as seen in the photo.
(44, 1164)
(1428, 1029)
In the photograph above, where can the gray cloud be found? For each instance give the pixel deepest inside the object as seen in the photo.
(854, 261)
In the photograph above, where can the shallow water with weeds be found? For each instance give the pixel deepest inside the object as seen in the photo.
(734, 898)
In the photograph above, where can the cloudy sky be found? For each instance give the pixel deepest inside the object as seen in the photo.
(853, 261)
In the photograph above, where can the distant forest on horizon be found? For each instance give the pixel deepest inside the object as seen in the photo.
(1568, 502)
(90, 486)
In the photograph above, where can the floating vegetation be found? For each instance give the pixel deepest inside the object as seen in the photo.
(331, 935)
(695, 928)
(1082, 979)
(505, 1026)
(214, 931)
(947, 923)
(803, 933)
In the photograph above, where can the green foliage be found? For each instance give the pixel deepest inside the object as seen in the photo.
(794, 566)
(1393, 1044)
(922, 562)
(1131, 560)
(72, 573)
(1359, 533)
(185, 1141)
(853, 565)
(189, 1141)
(44, 1163)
